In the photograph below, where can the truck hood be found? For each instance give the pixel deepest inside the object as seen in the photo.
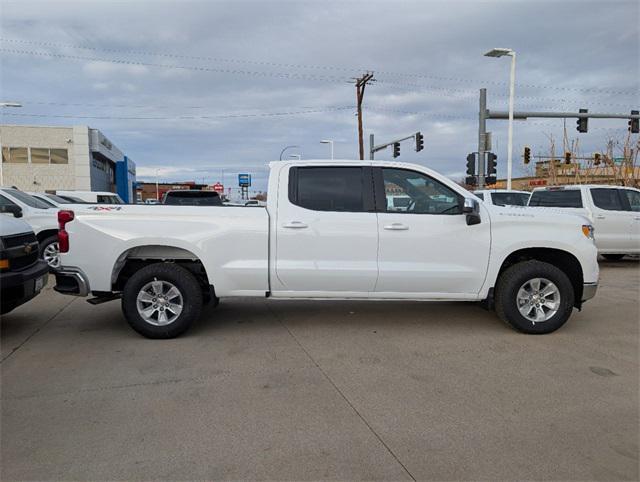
(11, 226)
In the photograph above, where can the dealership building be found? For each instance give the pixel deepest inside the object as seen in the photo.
(42, 158)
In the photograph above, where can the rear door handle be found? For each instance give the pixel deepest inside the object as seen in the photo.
(396, 227)
(295, 225)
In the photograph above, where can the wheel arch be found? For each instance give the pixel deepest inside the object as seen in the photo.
(137, 257)
(563, 260)
(46, 233)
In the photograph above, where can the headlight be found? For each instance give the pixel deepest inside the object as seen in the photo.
(587, 230)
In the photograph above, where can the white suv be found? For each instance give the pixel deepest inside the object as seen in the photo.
(614, 212)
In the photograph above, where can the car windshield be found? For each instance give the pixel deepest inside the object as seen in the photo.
(510, 198)
(564, 198)
(192, 198)
(58, 199)
(27, 199)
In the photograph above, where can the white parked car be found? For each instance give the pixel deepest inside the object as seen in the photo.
(40, 216)
(55, 201)
(329, 233)
(96, 197)
(503, 197)
(614, 212)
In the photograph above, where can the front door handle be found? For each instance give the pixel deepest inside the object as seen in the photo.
(600, 217)
(396, 227)
(295, 225)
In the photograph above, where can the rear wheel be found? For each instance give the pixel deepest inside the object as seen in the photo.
(162, 300)
(613, 257)
(534, 297)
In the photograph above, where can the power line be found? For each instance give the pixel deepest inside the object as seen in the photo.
(185, 117)
(319, 67)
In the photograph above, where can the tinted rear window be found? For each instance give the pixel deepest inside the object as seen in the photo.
(608, 199)
(509, 198)
(327, 188)
(193, 198)
(565, 198)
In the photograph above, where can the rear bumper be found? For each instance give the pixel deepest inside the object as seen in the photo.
(71, 281)
(589, 291)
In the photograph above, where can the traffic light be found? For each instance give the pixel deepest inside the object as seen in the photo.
(596, 159)
(419, 142)
(491, 163)
(582, 122)
(396, 149)
(634, 124)
(471, 181)
(489, 180)
(527, 155)
(567, 157)
(471, 165)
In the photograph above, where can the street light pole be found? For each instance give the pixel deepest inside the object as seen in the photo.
(512, 88)
(328, 141)
(500, 52)
(288, 147)
(5, 104)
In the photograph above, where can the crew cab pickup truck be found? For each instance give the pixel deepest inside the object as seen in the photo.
(614, 211)
(328, 232)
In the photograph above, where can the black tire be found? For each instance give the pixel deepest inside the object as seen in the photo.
(613, 257)
(510, 282)
(44, 244)
(182, 279)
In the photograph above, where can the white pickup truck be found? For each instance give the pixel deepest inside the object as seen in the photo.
(328, 232)
(614, 211)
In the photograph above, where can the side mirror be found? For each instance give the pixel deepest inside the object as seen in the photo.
(471, 208)
(12, 209)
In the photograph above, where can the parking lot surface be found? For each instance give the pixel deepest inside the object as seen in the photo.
(262, 389)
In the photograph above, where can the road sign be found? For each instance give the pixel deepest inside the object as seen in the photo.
(218, 187)
(244, 180)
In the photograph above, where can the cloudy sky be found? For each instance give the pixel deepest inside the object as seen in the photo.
(202, 89)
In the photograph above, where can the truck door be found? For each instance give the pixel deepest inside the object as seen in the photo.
(611, 220)
(326, 231)
(633, 198)
(427, 249)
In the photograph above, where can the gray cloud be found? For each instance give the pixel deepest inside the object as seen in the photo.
(298, 57)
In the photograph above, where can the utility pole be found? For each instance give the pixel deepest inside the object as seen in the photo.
(482, 136)
(361, 83)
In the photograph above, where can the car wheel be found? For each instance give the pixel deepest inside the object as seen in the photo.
(50, 252)
(161, 300)
(534, 297)
(613, 257)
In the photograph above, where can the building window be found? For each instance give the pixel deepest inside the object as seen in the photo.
(16, 155)
(39, 155)
(59, 156)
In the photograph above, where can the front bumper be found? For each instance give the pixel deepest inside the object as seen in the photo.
(18, 287)
(589, 291)
(71, 281)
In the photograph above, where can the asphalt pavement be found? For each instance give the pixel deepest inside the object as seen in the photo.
(266, 389)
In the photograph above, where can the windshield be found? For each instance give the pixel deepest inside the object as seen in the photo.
(192, 198)
(27, 199)
(58, 199)
(569, 198)
(510, 198)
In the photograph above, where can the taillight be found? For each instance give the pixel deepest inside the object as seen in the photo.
(64, 217)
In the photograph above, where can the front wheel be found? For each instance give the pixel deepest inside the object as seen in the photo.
(162, 300)
(534, 297)
(50, 252)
